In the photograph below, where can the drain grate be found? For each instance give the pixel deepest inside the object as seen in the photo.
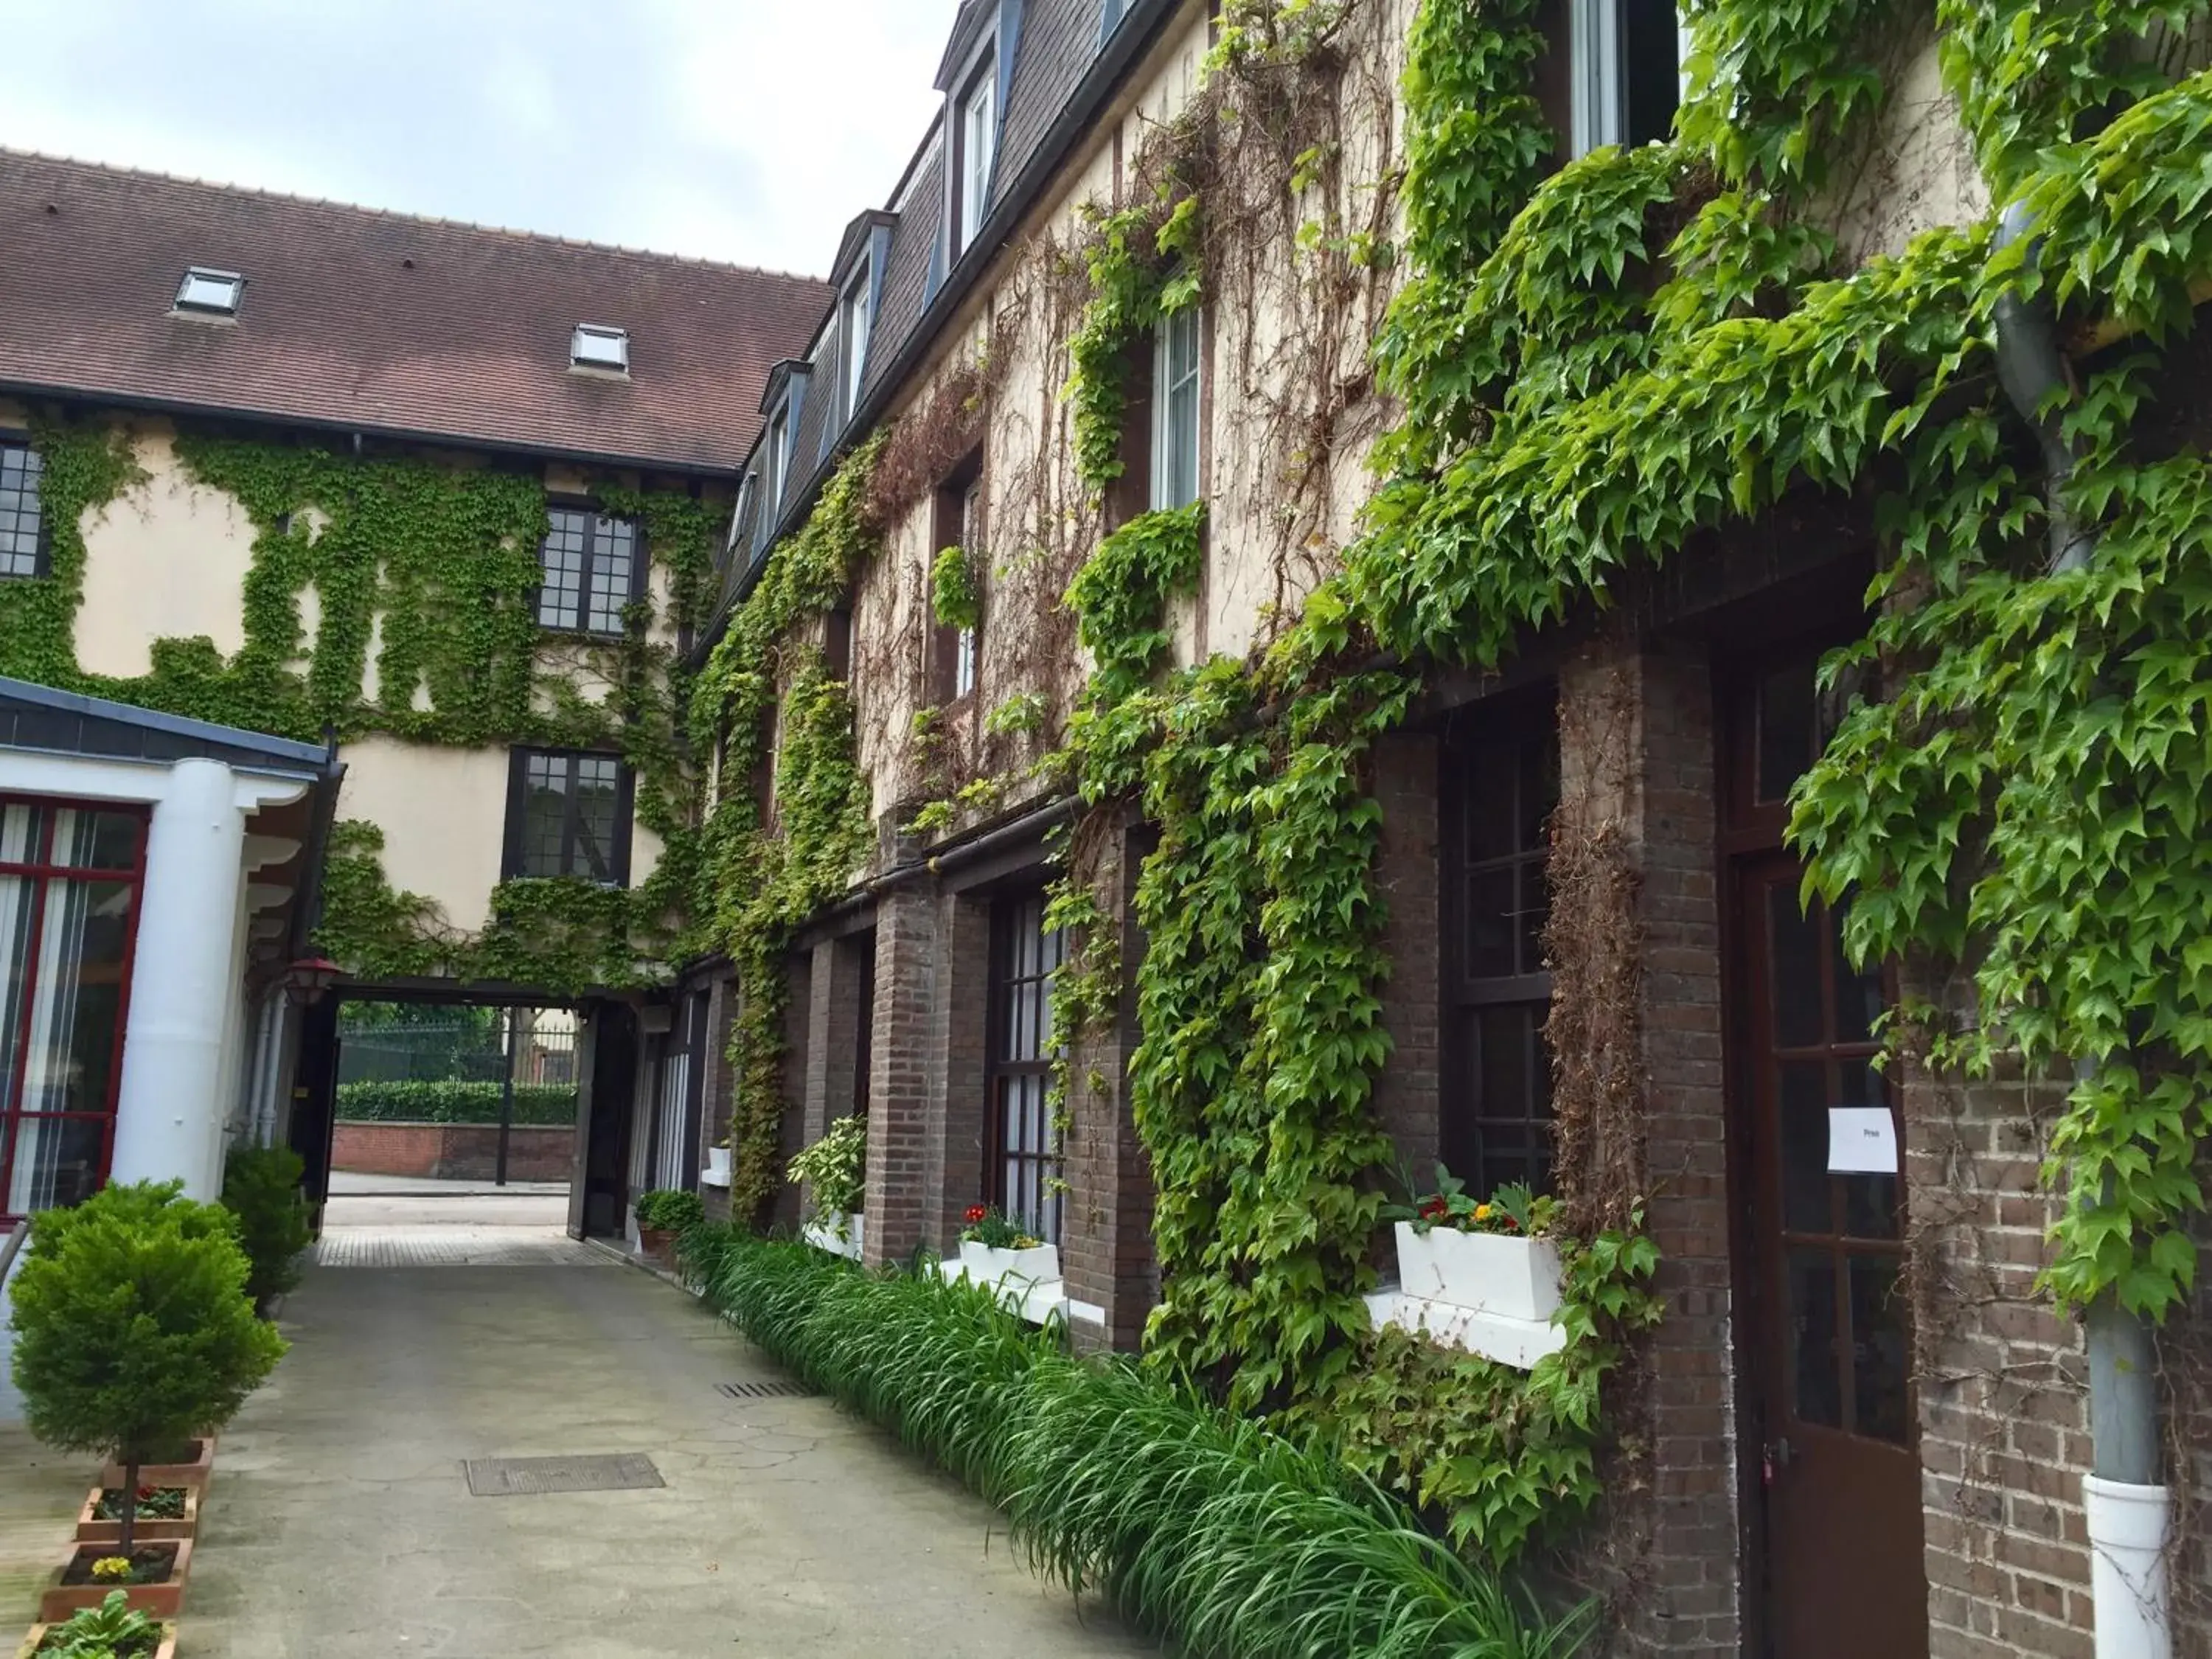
(764, 1390)
(519, 1477)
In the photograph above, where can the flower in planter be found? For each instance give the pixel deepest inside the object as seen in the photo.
(988, 1227)
(1513, 1209)
(112, 1570)
(113, 1628)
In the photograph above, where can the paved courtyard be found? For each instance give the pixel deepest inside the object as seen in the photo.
(340, 1524)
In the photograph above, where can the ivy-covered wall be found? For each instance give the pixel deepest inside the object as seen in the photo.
(384, 598)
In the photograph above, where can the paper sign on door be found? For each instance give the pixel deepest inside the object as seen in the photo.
(1861, 1140)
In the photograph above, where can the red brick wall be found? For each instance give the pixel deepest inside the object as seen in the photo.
(453, 1151)
(899, 1074)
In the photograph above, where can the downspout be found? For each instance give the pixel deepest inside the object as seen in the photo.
(2128, 1509)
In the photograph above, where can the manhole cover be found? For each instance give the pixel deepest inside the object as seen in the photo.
(764, 1390)
(515, 1477)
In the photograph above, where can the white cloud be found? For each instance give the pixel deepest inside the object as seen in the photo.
(744, 130)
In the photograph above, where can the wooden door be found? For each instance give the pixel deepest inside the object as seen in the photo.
(1830, 1342)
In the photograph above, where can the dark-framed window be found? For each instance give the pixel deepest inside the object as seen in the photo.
(956, 653)
(70, 874)
(1021, 1143)
(1502, 784)
(855, 314)
(590, 567)
(22, 518)
(568, 814)
(1611, 72)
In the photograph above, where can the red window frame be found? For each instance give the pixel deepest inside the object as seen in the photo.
(38, 873)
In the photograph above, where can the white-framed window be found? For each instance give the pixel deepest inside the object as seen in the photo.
(1176, 383)
(979, 138)
(773, 462)
(964, 648)
(1624, 59)
(596, 345)
(852, 327)
(217, 293)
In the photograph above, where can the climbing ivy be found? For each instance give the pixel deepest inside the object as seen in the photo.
(954, 598)
(1144, 264)
(87, 466)
(759, 877)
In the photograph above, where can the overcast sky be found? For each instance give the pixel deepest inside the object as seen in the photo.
(744, 130)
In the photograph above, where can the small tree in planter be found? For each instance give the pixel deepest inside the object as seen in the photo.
(132, 1328)
(835, 1169)
(261, 1189)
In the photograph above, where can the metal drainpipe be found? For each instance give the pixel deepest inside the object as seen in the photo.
(2128, 1511)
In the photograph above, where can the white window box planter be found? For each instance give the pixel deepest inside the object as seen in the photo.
(1487, 1292)
(837, 1233)
(717, 1172)
(1024, 1282)
(1489, 1273)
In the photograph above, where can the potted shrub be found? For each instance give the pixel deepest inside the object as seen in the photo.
(261, 1188)
(664, 1213)
(992, 1247)
(835, 1171)
(1492, 1256)
(133, 1335)
(113, 1630)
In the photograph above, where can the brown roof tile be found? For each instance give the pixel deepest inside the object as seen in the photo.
(376, 321)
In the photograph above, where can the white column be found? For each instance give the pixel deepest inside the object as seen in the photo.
(170, 1108)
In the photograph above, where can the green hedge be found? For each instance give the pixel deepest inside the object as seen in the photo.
(379, 1101)
(1204, 1529)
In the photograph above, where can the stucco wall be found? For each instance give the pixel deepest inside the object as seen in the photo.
(443, 813)
(165, 559)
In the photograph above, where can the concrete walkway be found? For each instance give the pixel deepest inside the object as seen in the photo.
(339, 1524)
(367, 1201)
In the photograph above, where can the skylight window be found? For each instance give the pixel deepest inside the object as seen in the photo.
(214, 291)
(594, 346)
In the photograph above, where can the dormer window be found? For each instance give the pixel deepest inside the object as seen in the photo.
(773, 462)
(211, 293)
(594, 345)
(978, 135)
(852, 328)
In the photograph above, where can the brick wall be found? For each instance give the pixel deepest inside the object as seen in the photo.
(1636, 751)
(453, 1151)
(959, 1025)
(715, 1112)
(1106, 1256)
(899, 1087)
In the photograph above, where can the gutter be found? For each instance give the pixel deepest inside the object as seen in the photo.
(2129, 1509)
(1146, 21)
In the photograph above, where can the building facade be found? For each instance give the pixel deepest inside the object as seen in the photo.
(1266, 629)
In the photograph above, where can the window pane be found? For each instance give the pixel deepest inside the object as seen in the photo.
(545, 815)
(1492, 924)
(21, 468)
(16, 906)
(1879, 1351)
(57, 1163)
(1794, 983)
(598, 786)
(560, 568)
(96, 841)
(1785, 729)
(1804, 1147)
(1816, 1387)
(22, 833)
(1858, 995)
(1870, 1200)
(614, 549)
(77, 996)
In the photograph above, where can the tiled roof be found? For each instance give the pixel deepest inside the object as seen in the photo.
(375, 321)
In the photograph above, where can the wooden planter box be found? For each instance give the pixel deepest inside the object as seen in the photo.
(195, 1474)
(30, 1648)
(1489, 1273)
(163, 1600)
(91, 1529)
(659, 1242)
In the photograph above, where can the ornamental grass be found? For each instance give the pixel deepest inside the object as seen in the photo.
(1202, 1528)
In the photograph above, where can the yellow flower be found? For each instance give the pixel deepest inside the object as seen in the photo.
(112, 1567)
(1482, 1212)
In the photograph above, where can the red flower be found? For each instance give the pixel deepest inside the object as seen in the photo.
(1511, 1225)
(145, 1492)
(1435, 1210)
(975, 1213)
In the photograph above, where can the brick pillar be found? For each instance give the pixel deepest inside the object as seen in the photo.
(1406, 1093)
(1637, 747)
(954, 1177)
(1106, 1256)
(899, 1084)
(833, 1049)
